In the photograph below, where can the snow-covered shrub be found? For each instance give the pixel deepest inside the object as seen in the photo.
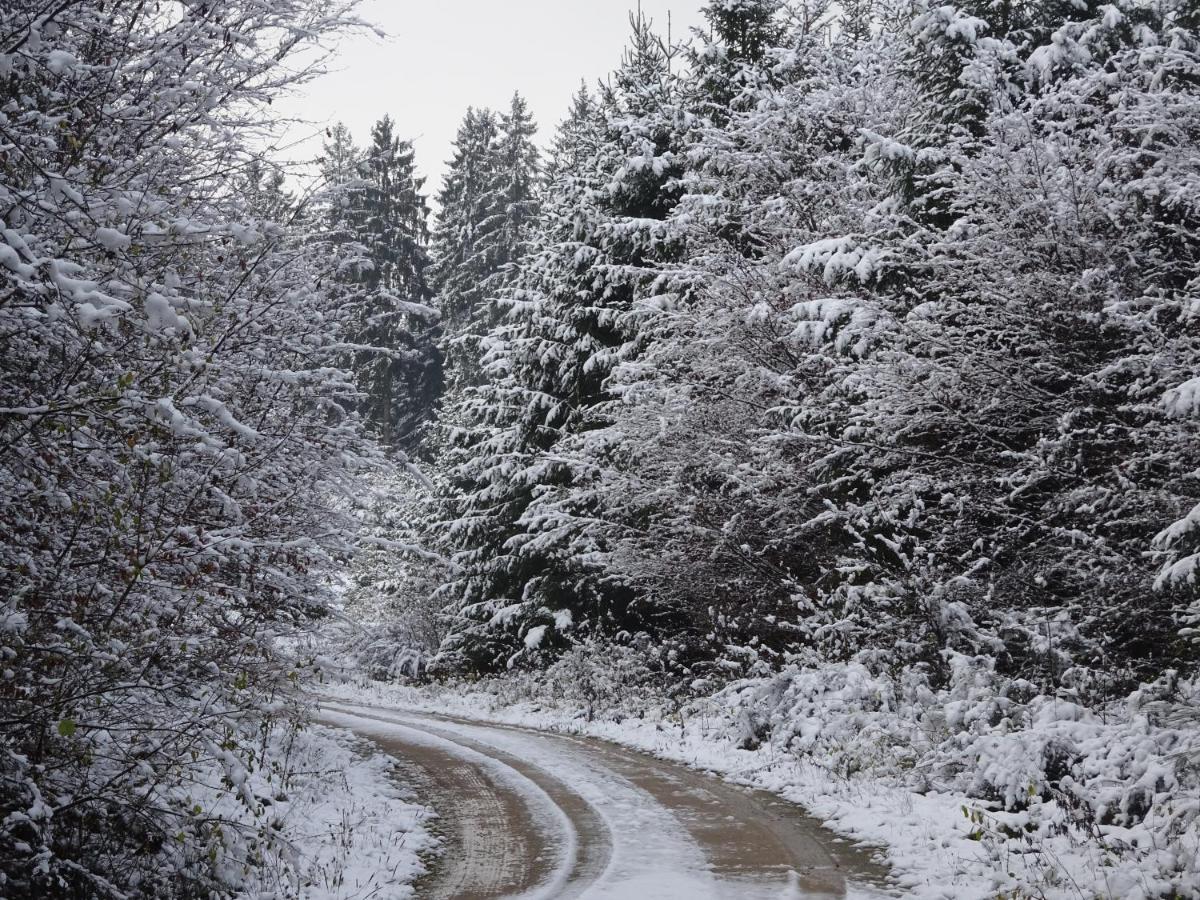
(350, 832)
(384, 652)
(393, 578)
(616, 678)
(171, 419)
(1070, 801)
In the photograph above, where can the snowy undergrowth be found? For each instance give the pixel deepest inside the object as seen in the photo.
(359, 837)
(326, 810)
(980, 789)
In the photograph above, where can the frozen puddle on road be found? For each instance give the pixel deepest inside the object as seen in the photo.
(539, 816)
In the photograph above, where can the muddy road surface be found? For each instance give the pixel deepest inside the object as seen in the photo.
(527, 815)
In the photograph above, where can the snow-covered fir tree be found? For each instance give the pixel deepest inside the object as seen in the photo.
(375, 210)
(517, 522)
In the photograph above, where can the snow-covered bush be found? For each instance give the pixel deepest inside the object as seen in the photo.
(614, 678)
(350, 833)
(170, 421)
(1069, 801)
(393, 578)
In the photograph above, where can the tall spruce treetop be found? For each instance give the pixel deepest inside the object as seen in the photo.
(488, 203)
(517, 173)
(571, 146)
(339, 165)
(339, 155)
(377, 211)
(395, 216)
(746, 28)
(461, 252)
(519, 526)
(727, 57)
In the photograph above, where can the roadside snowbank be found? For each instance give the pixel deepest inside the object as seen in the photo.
(321, 811)
(356, 835)
(975, 790)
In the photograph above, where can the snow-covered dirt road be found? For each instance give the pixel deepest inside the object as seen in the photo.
(529, 815)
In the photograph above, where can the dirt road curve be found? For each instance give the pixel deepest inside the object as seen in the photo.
(537, 816)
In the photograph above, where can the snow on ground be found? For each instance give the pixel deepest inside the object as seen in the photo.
(940, 843)
(357, 835)
(330, 811)
(925, 836)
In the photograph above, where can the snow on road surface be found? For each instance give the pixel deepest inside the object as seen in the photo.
(537, 816)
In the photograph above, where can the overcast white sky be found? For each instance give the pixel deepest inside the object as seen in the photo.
(442, 56)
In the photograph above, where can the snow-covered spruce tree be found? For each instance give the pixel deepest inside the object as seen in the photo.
(463, 252)
(375, 211)
(866, 415)
(727, 63)
(340, 164)
(515, 183)
(170, 414)
(488, 204)
(481, 496)
(521, 518)
(405, 380)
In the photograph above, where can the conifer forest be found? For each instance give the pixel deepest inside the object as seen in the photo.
(815, 406)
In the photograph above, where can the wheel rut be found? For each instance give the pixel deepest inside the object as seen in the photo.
(498, 840)
(538, 816)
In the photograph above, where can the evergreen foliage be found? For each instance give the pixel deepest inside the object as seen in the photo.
(376, 212)
(868, 335)
(569, 310)
(488, 202)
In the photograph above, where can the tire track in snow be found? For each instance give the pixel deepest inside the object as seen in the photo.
(496, 808)
(642, 828)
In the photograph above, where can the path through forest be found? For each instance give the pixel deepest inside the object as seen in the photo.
(527, 815)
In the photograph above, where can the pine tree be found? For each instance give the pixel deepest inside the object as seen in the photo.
(522, 518)
(377, 214)
(488, 202)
